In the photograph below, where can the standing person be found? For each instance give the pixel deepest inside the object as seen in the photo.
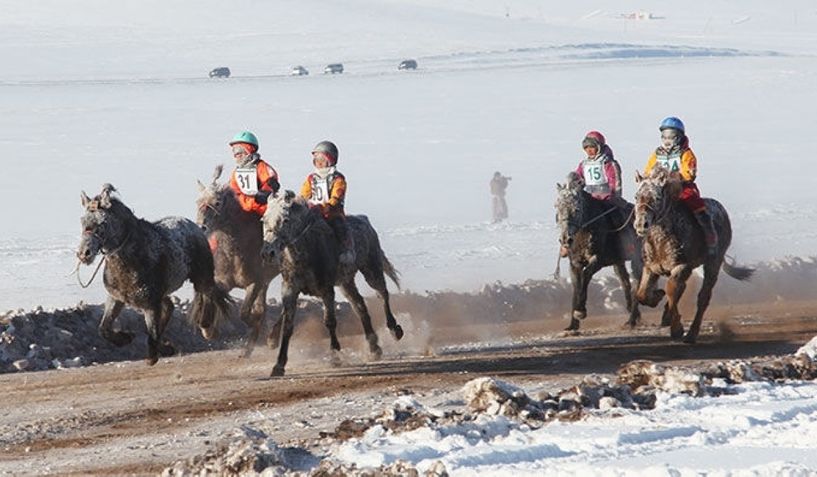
(325, 190)
(252, 180)
(498, 185)
(675, 154)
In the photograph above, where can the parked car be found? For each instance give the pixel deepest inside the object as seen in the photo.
(220, 72)
(298, 71)
(408, 65)
(333, 68)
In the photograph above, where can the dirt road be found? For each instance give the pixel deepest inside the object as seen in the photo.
(127, 418)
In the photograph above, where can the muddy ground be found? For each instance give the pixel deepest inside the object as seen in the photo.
(127, 418)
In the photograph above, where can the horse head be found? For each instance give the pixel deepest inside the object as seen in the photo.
(212, 203)
(654, 195)
(570, 208)
(286, 219)
(102, 224)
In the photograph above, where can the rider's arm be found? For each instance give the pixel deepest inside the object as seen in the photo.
(306, 188)
(613, 172)
(689, 166)
(338, 193)
(650, 163)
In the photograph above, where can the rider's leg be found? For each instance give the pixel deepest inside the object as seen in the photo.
(344, 237)
(691, 197)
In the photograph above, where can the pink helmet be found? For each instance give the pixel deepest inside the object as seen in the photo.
(599, 137)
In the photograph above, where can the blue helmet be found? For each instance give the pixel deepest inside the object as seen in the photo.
(672, 123)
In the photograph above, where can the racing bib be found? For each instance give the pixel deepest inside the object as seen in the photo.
(247, 179)
(594, 173)
(672, 163)
(320, 190)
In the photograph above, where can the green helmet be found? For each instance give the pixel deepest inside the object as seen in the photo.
(245, 137)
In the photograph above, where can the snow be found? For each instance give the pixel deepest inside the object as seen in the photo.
(95, 92)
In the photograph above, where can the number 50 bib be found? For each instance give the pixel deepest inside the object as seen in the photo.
(247, 179)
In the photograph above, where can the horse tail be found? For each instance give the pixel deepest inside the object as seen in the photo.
(739, 273)
(210, 307)
(389, 269)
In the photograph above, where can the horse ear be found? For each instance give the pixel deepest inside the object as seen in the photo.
(638, 176)
(105, 195)
(217, 172)
(85, 199)
(559, 187)
(200, 185)
(288, 196)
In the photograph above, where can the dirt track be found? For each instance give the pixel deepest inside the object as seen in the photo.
(127, 418)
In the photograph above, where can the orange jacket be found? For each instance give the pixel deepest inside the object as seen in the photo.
(264, 172)
(677, 160)
(328, 193)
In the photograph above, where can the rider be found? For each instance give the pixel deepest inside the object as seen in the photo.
(252, 180)
(602, 178)
(674, 154)
(325, 190)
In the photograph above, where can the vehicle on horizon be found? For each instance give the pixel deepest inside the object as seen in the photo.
(334, 68)
(220, 72)
(407, 65)
(298, 71)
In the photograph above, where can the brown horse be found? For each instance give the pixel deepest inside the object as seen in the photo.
(304, 244)
(674, 246)
(235, 237)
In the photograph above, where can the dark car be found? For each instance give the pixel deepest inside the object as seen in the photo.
(333, 68)
(407, 65)
(298, 71)
(220, 72)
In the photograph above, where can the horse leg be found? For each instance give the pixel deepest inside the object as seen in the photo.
(359, 305)
(165, 348)
(289, 301)
(675, 288)
(247, 316)
(576, 278)
(704, 295)
(378, 282)
(331, 323)
(153, 318)
(632, 306)
(112, 309)
(647, 294)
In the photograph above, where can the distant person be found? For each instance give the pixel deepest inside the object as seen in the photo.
(252, 180)
(675, 154)
(499, 184)
(325, 190)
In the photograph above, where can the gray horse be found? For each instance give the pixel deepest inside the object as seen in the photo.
(144, 263)
(593, 239)
(308, 252)
(235, 238)
(674, 246)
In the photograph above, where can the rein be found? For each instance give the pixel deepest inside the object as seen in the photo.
(104, 257)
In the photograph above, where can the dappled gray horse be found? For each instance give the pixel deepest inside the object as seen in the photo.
(144, 263)
(235, 237)
(674, 246)
(304, 244)
(594, 237)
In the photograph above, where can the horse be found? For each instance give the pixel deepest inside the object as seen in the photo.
(235, 238)
(593, 240)
(301, 240)
(674, 246)
(144, 263)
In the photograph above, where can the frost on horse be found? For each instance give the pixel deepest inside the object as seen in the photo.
(144, 263)
(594, 237)
(306, 248)
(674, 246)
(235, 237)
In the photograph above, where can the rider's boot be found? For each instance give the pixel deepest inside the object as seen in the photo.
(710, 235)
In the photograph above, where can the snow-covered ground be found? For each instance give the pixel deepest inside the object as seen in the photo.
(94, 92)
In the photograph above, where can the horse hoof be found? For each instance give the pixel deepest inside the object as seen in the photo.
(246, 353)
(120, 338)
(677, 333)
(151, 360)
(574, 325)
(689, 339)
(397, 332)
(272, 341)
(376, 353)
(209, 333)
(579, 314)
(166, 349)
(335, 360)
(277, 371)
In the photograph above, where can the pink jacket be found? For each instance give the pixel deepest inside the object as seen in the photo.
(610, 188)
